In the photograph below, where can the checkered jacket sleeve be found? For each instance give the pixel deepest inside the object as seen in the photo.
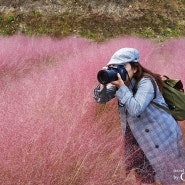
(136, 104)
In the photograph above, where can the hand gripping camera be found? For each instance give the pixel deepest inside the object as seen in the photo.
(108, 75)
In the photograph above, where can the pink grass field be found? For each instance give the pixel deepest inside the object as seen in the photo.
(51, 130)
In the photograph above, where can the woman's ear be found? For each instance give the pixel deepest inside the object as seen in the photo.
(134, 70)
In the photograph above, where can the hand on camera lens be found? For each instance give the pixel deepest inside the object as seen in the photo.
(118, 83)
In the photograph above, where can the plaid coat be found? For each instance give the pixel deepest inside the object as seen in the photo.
(156, 131)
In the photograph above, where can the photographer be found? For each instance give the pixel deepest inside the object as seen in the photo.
(153, 139)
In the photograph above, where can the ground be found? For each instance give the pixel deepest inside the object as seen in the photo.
(94, 19)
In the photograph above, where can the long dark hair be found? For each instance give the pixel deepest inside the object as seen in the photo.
(141, 71)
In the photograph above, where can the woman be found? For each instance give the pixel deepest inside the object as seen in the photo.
(153, 139)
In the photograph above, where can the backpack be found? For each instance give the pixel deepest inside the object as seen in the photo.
(174, 96)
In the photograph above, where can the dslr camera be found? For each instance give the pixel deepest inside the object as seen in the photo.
(108, 75)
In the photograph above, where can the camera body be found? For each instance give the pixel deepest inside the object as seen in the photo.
(108, 75)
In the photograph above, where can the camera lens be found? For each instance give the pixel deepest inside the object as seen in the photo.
(103, 77)
(107, 76)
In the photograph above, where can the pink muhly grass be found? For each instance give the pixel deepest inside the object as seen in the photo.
(52, 131)
(49, 131)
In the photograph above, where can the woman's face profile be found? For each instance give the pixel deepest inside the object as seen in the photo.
(130, 70)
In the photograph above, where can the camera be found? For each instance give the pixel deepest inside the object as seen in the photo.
(108, 75)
